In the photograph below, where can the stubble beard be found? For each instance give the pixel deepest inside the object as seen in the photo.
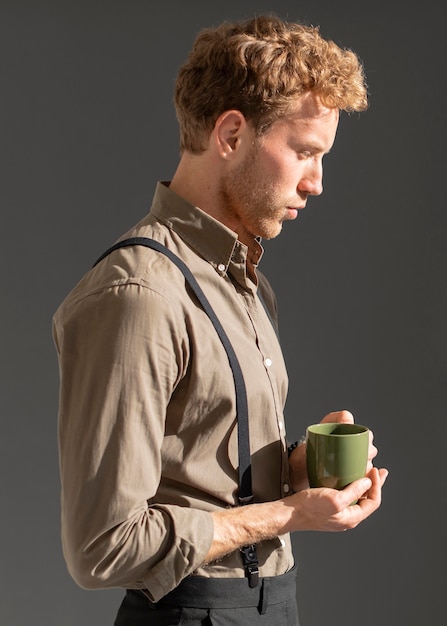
(251, 201)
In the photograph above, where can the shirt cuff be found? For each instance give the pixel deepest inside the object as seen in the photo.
(193, 532)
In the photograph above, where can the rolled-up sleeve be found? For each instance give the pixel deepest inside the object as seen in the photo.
(122, 351)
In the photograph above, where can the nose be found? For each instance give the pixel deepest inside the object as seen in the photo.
(311, 182)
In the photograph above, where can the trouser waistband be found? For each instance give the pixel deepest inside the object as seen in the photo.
(220, 593)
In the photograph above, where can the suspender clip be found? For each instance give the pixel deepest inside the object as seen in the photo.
(251, 563)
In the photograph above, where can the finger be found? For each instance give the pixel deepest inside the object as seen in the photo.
(372, 452)
(383, 474)
(339, 417)
(374, 493)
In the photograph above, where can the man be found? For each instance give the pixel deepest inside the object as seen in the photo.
(148, 425)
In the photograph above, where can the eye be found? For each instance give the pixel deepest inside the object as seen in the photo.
(304, 154)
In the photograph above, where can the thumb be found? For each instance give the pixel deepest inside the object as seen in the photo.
(356, 490)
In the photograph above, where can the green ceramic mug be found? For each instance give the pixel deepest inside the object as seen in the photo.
(337, 454)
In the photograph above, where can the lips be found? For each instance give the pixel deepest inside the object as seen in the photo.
(292, 212)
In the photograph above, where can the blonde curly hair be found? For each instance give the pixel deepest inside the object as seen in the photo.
(259, 67)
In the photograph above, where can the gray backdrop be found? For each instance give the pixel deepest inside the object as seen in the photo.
(87, 127)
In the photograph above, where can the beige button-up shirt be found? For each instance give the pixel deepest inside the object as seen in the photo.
(147, 418)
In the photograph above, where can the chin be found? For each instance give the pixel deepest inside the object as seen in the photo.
(272, 232)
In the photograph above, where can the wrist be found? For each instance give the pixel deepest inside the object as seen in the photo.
(295, 444)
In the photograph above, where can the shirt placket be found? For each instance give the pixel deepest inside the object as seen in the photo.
(265, 335)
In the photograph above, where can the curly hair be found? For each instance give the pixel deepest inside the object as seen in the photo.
(259, 67)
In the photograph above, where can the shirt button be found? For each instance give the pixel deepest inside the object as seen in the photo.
(221, 267)
(268, 361)
(282, 542)
(286, 488)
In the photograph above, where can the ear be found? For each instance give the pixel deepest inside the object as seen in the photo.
(229, 129)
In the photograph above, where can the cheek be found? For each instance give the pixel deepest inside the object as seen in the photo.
(283, 168)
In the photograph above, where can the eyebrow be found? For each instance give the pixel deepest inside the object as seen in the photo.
(310, 146)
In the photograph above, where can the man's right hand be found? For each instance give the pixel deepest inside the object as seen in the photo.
(319, 509)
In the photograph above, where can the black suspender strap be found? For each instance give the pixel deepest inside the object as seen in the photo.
(245, 483)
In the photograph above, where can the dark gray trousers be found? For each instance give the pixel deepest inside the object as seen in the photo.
(201, 601)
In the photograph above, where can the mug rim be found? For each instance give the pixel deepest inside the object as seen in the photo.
(321, 429)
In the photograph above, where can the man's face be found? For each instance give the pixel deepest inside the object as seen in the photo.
(280, 170)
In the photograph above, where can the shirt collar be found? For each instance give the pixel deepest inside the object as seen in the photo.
(214, 241)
